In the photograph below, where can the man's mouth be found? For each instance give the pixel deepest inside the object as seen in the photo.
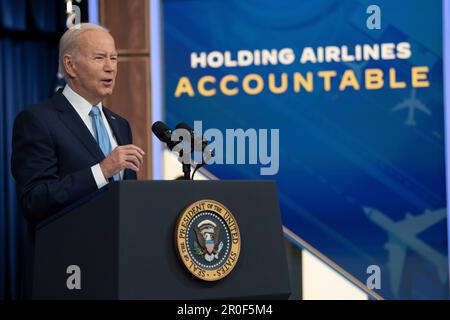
(107, 82)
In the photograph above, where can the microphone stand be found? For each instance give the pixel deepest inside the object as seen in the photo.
(187, 171)
(186, 167)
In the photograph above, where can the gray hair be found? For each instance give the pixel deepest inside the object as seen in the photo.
(69, 41)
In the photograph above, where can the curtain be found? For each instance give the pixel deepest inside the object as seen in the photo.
(29, 34)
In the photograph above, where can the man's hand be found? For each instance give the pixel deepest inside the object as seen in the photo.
(122, 157)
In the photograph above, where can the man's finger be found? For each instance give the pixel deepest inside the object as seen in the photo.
(133, 159)
(132, 146)
(130, 165)
(133, 152)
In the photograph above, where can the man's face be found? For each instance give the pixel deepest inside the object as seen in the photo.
(95, 66)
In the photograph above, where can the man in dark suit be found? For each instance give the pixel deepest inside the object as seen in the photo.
(70, 145)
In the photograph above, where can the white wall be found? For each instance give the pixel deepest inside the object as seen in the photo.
(320, 282)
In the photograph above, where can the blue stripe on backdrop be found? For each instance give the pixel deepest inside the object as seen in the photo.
(446, 34)
(157, 90)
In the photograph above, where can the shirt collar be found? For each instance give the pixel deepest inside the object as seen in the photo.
(81, 105)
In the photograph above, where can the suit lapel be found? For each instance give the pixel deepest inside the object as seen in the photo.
(75, 124)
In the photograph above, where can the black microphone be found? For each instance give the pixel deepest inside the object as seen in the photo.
(164, 134)
(196, 140)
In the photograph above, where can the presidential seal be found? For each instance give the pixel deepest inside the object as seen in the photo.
(208, 240)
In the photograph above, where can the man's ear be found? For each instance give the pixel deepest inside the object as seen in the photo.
(69, 65)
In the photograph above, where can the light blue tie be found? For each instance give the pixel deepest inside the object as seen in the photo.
(101, 135)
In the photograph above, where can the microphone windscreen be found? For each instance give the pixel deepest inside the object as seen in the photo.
(160, 129)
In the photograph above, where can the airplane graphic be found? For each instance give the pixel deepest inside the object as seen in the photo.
(402, 235)
(411, 103)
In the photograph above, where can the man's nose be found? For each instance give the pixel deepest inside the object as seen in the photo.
(109, 65)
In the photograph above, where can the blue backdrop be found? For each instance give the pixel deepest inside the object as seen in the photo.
(362, 173)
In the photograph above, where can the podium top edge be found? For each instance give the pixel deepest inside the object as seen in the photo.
(117, 186)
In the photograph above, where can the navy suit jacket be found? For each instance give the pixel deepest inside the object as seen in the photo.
(53, 152)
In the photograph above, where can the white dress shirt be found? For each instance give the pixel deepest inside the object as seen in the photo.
(83, 107)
